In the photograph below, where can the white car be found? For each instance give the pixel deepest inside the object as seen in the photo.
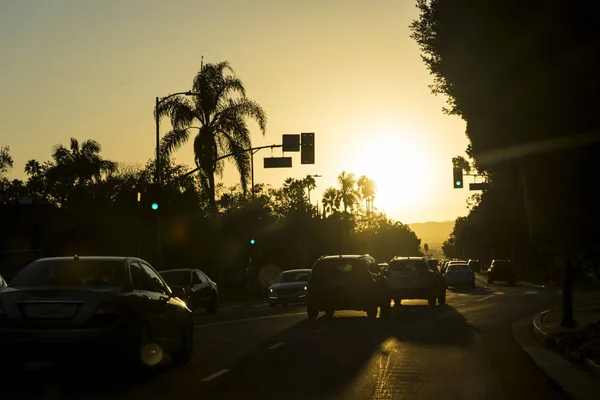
(460, 274)
(412, 278)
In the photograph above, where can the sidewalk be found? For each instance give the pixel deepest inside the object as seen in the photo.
(580, 345)
(569, 357)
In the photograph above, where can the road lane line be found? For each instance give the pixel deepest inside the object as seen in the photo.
(276, 345)
(248, 319)
(485, 298)
(460, 305)
(261, 305)
(320, 330)
(531, 292)
(215, 375)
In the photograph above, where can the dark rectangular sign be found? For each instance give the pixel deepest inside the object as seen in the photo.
(479, 186)
(278, 162)
(290, 142)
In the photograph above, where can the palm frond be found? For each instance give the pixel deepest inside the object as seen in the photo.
(89, 148)
(180, 110)
(241, 158)
(173, 140)
(242, 108)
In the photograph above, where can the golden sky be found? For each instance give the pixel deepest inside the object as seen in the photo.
(346, 70)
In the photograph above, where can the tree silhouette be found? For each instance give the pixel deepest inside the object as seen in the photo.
(332, 200)
(348, 193)
(219, 107)
(6, 161)
(367, 189)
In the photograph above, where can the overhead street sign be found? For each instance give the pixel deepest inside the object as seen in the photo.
(290, 142)
(278, 162)
(479, 186)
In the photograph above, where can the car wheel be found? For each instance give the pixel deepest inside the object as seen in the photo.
(490, 281)
(312, 311)
(431, 301)
(442, 298)
(397, 302)
(330, 313)
(213, 305)
(148, 354)
(185, 353)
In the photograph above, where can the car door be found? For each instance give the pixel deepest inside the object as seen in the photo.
(150, 308)
(203, 287)
(163, 320)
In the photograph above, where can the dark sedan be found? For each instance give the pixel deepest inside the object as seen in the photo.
(194, 287)
(289, 287)
(66, 306)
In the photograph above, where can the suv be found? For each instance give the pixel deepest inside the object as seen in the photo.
(347, 282)
(501, 270)
(413, 278)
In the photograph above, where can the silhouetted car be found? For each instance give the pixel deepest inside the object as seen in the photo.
(501, 270)
(475, 265)
(289, 287)
(194, 287)
(413, 278)
(460, 275)
(347, 282)
(72, 306)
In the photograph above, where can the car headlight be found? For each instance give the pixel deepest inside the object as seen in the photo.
(271, 290)
(305, 287)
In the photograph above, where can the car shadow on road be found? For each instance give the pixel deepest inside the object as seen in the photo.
(477, 290)
(324, 358)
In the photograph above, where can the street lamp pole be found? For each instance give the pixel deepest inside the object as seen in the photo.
(157, 177)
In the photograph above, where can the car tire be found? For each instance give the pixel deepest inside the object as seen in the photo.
(184, 354)
(397, 302)
(431, 301)
(442, 298)
(312, 311)
(213, 305)
(490, 281)
(144, 352)
(329, 313)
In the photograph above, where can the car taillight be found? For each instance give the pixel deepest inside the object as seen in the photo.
(108, 307)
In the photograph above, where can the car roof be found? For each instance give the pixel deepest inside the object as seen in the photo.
(354, 256)
(297, 270)
(76, 257)
(179, 270)
(409, 258)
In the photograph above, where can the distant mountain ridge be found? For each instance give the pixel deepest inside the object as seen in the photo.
(433, 233)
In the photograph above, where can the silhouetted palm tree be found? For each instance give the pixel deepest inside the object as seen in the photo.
(348, 192)
(80, 164)
(220, 107)
(367, 189)
(331, 200)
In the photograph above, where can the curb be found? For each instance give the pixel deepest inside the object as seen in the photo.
(541, 333)
(569, 378)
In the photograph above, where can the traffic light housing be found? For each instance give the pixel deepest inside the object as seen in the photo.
(307, 148)
(458, 178)
(154, 197)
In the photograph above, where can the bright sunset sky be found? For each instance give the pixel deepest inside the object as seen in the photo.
(346, 70)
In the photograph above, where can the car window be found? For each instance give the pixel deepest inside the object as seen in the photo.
(155, 280)
(177, 278)
(405, 265)
(203, 278)
(292, 276)
(71, 272)
(332, 268)
(458, 267)
(139, 279)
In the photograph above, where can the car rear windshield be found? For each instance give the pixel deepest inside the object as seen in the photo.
(408, 265)
(177, 278)
(459, 267)
(296, 276)
(502, 264)
(79, 272)
(336, 267)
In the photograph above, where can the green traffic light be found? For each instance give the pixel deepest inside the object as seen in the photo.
(154, 206)
(252, 241)
(458, 183)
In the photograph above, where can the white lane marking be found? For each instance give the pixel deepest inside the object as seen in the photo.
(531, 292)
(485, 298)
(215, 375)
(460, 305)
(276, 345)
(248, 319)
(261, 305)
(321, 330)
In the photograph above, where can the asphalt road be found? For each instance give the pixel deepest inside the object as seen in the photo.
(464, 350)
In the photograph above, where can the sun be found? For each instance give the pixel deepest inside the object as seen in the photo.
(400, 169)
